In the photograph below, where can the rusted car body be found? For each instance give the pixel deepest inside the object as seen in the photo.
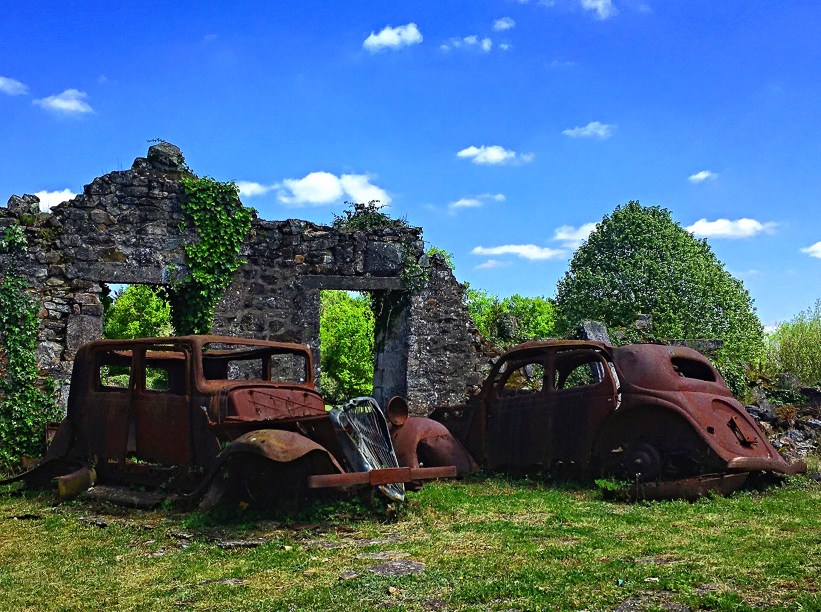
(210, 415)
(650, 414)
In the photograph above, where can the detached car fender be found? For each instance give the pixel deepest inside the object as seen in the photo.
(423, 441)
(275, 444)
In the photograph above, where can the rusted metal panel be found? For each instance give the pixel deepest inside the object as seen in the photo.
(380, 477)
(419, 441)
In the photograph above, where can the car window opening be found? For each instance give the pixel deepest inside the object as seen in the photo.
(690, 368)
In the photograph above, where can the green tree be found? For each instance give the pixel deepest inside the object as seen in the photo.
(138, 311)
(512, 320)
(795, 346)
(640, 261)
(346, 336)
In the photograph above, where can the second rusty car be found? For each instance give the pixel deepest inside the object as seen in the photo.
(655, 415)
(209, 416)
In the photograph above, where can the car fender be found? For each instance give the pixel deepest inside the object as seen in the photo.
(275, 445)
(425, 441)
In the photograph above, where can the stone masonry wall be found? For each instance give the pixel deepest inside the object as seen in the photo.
(126, 228)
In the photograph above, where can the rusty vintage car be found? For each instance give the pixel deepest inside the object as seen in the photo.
(657, 416)
(209, 416)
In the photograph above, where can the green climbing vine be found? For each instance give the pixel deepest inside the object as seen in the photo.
(13, 237)
(25, 408)
(221, 223)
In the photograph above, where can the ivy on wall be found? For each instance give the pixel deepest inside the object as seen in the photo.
(25, 409)
(221, 223)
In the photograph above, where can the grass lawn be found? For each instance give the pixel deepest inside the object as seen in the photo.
(486, 544)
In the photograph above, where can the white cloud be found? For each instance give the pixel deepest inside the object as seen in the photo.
(594, 129)
(505, 23)
(359, 188)
(491, 264)
(525, 251)
(476, 201)
(12, 87)
(70, 102)
(572, 237)
(814, 250)
(468, 42)
(250, 189)
(494, 155)
(466, 203)
(393, 38)
(700, 177)
(53, 198)
(604, 9)
(563, 64)
(724, 228)
(505, 46)
(319, 188)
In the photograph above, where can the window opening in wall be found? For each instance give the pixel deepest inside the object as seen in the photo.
(346, 335)
(135, 311)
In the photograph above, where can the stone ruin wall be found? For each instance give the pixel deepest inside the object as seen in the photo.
(124, 228)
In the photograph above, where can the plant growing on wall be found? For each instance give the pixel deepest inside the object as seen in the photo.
(24, 407)
(13, 237)
(221, 223)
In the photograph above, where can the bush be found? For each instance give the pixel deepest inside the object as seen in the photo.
(795, 346)
(513, 320)
(346, 336)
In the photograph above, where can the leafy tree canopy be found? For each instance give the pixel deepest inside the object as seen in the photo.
(346, 336)
(795, 346)
(640, 261)
(138, 311)
(512, 320)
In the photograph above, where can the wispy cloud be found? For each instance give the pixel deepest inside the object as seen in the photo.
(573, 237)
(491, 264)
(393, 38)
(475, 201)
(604, 9)
(700, 177)
(505, 23)
(494, 155)
(468, 42)
(725, 228)
(525, 251)
(594, 129)
(250, 189)
(563, 64)
(319, 188)
(48, 199)
(70, 102)
(12, 87)
(814, 250)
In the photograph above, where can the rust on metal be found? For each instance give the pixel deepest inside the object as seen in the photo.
(379, 477)
(658, 415)
(180, 412)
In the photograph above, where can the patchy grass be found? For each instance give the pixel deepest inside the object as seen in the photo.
(487, 544)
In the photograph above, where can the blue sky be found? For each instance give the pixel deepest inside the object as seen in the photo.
(503, 128)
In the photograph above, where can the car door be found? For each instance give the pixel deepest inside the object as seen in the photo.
(581, 392)
(105, 403)
(162, 407)
(516, 433)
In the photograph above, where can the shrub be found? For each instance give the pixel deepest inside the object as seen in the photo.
(795, 346)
